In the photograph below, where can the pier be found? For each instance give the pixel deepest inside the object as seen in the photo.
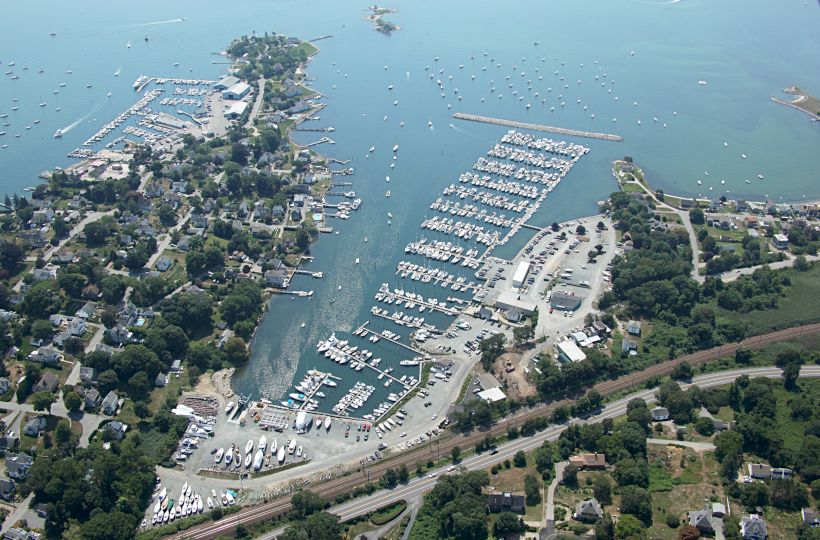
(317, 388)
(320, 141)
(364, 330)
(321, 130)
(316, 275)
(537, 127)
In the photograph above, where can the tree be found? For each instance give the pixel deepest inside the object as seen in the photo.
(520, 459)
(689, 532)
(743, 356)
(571, 476)
(604, 528)
(404, 475)
(790, 374)
(108, 380)
(391, 478)
(602, 489)
(139, 385)
(507, 523)
(629, 528)
(522, 334)
(581, 230)
(455, 453)
(305, 503)
(235, 351)
(637, 501)
(112, 289)
(96, 233)
(705, 426)
(696, 216)
(167, 215)
(41, 329)
(71, 283)
(72, 401)
(532, 489)
(11, 255)
(42, 401)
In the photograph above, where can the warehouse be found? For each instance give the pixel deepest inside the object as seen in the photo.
(237, 91)
(516, 308)
(568, 351)
(565, 301)
(236, 110)
(520, 275)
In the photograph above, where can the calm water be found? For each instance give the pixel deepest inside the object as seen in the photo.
(746, 51)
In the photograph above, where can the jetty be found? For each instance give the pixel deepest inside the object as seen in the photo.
(536, 127)
(320, 141)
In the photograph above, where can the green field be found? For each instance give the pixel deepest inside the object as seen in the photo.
(799, 306)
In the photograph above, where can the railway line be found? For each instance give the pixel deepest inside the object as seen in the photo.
(442, 446)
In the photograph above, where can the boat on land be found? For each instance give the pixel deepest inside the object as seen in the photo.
(281, 455)
(229, 407)
(258, 459)
(249, 446)
(219, 454)
(248, 459)
(291, 446)
(328, 421)
(263, 443)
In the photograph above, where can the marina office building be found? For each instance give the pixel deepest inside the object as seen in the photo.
(516, 308)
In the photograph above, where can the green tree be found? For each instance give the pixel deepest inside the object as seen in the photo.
(629, 528)
(235, 351)
(604, 528)
(602, 490)
(507, 523)
(532, 489)
(42, 401)
(571, 476)
(637, 501)
(697, 217)
(455, 453)
(305, 503)
(41, 329)
(96, 233)
(520, 459)
(72, 401)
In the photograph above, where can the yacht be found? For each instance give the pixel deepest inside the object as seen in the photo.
(263, 443)
(280, 456)
(229, 407)
(395, 147)
(372, 149)
(258, 459)
(387, 194)
(219, 454)
(291, 446)
(328, 421)
(249, 446)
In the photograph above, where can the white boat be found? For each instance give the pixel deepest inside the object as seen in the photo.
(299, 451)
(760, 176)
(229, 497)
(249, 446)
(210, 503)
(263, 443)
(291, 446)
(357, 260)
(199, 506)
(387, 194)
(273, 446)
(248, 459)
(328, 421)
(219, 454)
(157, 507)
(372, 149)
(702, 83)
(258, 459)
(396, 148)
(229, 407)
(281, 455)
(329, 382)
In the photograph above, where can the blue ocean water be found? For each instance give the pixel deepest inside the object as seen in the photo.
(746, 51)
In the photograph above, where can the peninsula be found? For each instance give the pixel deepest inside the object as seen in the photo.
(803, 102)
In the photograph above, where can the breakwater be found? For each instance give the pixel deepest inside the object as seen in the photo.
(537, 127)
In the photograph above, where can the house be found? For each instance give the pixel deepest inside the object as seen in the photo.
(753, 527)
(589, 511)
(660, 414)
(110, 404)
(47, 383)
(41, 217)
(634, 328)
(199, 221)
(224, 337)
(809, 515)
(164, 263)
(17, 466)
(35, 426)
(703, 521)
(627, 346)
(116, 430)
(600, 328)
(119, 335)
(16, 533)
(43, 274)
(277, 211)
(87, 311)
(780, 241)
(77, 326)
(742, 206)
(176, 366)
(761, 471)
(276, 278)
(5, 384)
(588, 461)
(60, 339)
(6, 316)
(718, 510)
(179, 187)
(7, 489)
(161, 381)
(505, 502)
(45, 355)
(92, 399)
(88, 375)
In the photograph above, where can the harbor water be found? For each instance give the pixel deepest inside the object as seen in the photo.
(650, 55)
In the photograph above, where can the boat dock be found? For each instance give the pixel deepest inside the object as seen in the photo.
(317, 388)
(364, 330)
(320, 130)
(320, 141)
(293, 293)
(316, 275)
(536, 127)
(343, 172)
(341, 184)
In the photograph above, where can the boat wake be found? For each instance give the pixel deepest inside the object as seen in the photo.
(74, 124)
(154, 23)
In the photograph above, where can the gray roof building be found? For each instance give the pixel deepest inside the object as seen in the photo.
(589, 510)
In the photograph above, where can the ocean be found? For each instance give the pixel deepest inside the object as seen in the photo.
(649, 55)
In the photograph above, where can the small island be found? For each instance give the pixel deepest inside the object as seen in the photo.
(376, 16)
(803, 102)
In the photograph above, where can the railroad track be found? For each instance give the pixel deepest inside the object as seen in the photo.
(442, 446)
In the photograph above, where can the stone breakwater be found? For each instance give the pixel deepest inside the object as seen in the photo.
(537, 127)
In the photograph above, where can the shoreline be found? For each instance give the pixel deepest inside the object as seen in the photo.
(796, 103)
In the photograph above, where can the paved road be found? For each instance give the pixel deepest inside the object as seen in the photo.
(732, 275)
(699, 446)
(417, 486)
(90, 422)
(18, 514)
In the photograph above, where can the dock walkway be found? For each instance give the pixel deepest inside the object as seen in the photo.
(367, 330)
(537, 127)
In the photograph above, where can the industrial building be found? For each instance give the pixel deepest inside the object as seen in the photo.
(568, 351)
(516, 308)
(520, 275)
(565, 301)
(226, 82)
(491, 395)
(236, 110)
(237, 91)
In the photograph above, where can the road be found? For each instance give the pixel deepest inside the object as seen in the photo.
(346, 484)
(698, 446)
(90, 422)
(549, 511)
(732, 275)
(418, 486)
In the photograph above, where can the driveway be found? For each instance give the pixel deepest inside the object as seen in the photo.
(549, 511)
(698, 446)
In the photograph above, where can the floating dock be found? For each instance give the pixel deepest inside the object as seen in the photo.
(537, 127)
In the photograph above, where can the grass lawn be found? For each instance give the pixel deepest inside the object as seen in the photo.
(175, 384)
(799, 306)
(512, 480)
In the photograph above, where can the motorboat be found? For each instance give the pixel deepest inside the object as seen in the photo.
(299, 451)
(248, 459)
(229, 407)
(163, 493)
(328, 421)
(291, 446)
(263, 443)
(219, 453)
(258, 459)
(249, 446)
(280, 456)
(228, 457)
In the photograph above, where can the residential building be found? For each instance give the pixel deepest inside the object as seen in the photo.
(810, 517)
(780, 241)
(87, 311)
(16, 533)
(76, 326)
(505, 502)
(17, 466)
(47, 383)
(34, 426)
(7, 489)
(161, 381)
(588, 461)
(5, 384)
(588, 511)
(164, 263)
(703, 521)
(660, 414)
(110, 404)
(276, 278)
(88, 375)
(753, 527)
(634, 328)
(116, 429)
(92, 399)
